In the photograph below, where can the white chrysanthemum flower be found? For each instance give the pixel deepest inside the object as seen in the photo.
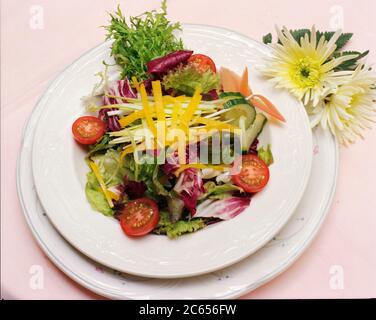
(303, 68)
(348, 109)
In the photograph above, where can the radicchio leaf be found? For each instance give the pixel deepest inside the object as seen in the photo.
(210, 96)
(253, 147)
(148, 86)
(225, 209)
(190, 186)
(121, 88)
(169, 169)
(172, 160)
(171, 164)
(160, 66)
(134, 189)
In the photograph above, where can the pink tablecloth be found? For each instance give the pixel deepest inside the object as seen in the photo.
(35, 51)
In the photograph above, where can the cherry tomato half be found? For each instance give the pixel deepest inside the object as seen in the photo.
(250, 173)
(88, 129)
(202, 62)
(139, 217)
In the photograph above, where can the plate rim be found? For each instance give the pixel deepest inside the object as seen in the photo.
(98, 290)
(177, 274)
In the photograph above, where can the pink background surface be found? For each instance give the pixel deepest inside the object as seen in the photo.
(31, 58)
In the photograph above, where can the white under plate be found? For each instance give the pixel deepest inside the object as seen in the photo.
(231, 282)
(59, 172)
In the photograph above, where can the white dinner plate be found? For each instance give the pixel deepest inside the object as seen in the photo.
(59, 172)
(236, 280)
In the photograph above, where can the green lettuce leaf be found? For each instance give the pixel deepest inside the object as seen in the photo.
(102, 144)
(95, 195)
(110, 167)
(158, 186)
(266, 155)
(186, 79)
(214, 191)
(176, 229)
(112, 171)
(142, 171)
(228, 187)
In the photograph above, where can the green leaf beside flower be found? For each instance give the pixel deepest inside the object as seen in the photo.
(267, 38)
(349, 64)
(298, 34)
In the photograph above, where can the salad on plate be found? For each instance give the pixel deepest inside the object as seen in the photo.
(171, 138)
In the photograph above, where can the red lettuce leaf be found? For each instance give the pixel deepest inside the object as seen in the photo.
(190, 186)
(121, 88)
(253, 147)
(170, 61)
(224, 209)
(134, 189)
(210, 96)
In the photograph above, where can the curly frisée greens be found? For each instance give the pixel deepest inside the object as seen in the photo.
(142, 39)
(178, 228)
(140, 172)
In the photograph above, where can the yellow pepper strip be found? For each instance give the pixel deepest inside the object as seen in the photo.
(130, 149)
(131, 118)
(168, 99)
(175, 114)
(147, 110)
(136, 83)
(97, 174)
(191, 108)
(127, 150)
(182, 98)
(157, 92)
(113, 195)
(172, 100)
(161, 116)
(199, 166)
(214, 123)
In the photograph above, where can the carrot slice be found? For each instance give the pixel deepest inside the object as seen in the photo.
(265, 105)
(245, 90)
(230, 80)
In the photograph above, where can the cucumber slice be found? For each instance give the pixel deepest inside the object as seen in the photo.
(238, 108)
(233, 102)
(230, 95)
(253, 132)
